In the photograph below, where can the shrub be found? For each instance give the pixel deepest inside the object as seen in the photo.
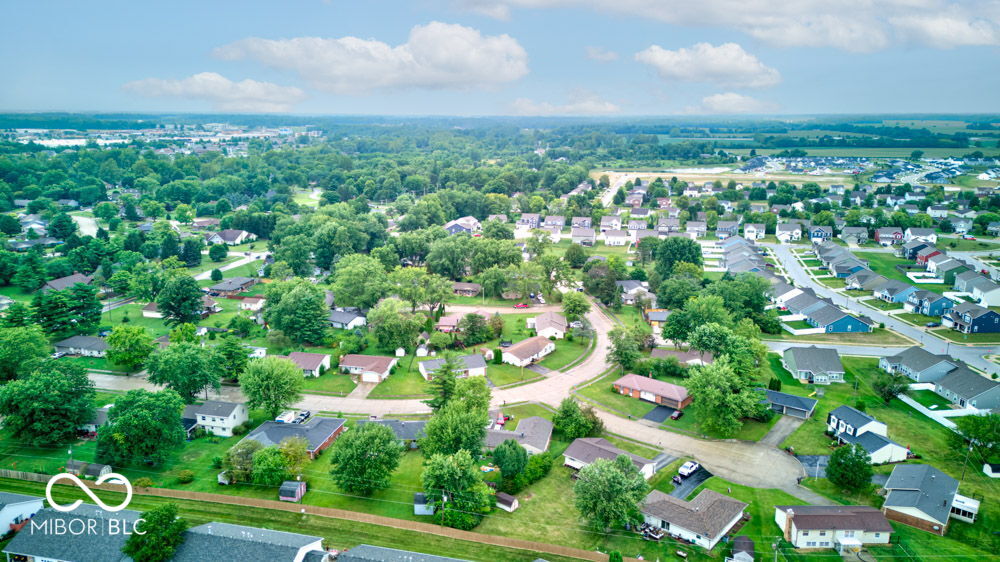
(241, 429)
(217, 462)
(185, 476)
(144, 482)
(774, 384)
(860, 405)
(538, 467)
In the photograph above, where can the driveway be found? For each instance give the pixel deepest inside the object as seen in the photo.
(688, 485)
(659, 414)
(785, 426)
(245, 259)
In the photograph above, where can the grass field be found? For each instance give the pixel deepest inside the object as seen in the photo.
(883, 305)
(832, 282)
(329, 383)
(798, 325)
(885, 264)
(879, 336)
(917, 319)
(983, 338)
(337, 533)
(930, 399)
(963, 245)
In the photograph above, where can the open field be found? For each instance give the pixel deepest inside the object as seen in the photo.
(885, 264)
(879, 336)
(973, 339)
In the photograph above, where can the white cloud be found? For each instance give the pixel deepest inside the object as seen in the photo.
(579, 104)
(727, 64)
(600, 54)
(435, 56)
(731, 103)
(248, 96)
(851, 25)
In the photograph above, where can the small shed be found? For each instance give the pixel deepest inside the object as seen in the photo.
(291, 491)
(223, 478)
(93, 470)
(506, 502)
(422, 350)
(743, 549)
(992, 469)
(420, 505)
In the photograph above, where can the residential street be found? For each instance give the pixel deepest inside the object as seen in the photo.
(973, 355)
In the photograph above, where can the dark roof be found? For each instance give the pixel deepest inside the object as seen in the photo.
(85, 547)
(923, 487)
(869, 441)
(224, 541)
(918, 359)
(216, 408)
(88, 468)
(743, 544)
(837, 518)
(816, 359)
(966, 383)
(83, 342)
(369, 553)
(232, 284)
(790, 400)
(344, 316)
(856, 418)
(471, 361)
(707, 514)
(406, 430)
(315, 431)
(505, 499)
(8, 498)
(289, 488)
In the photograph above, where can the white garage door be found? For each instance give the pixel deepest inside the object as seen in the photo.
(647, 396)
(370, 377)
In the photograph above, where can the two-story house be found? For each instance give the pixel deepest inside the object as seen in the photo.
(971, 318)
(918, 364)
(216, 417)
(848, 425)
(844, 528)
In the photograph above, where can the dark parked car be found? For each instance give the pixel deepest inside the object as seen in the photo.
(676, 415)
(932, 324)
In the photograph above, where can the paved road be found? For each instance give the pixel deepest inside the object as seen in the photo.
(972, 355)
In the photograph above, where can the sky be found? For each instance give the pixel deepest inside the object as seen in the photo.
(502, 57)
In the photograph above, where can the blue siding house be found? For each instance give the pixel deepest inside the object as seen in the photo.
(894, 291)
(928, 303)
(835, 321)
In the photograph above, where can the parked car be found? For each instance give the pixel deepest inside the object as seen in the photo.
(540, 299)
(58, 354)
(688, 468)
(676, 415)
(932, 324)
(968, 237)
(576, 324)
(521, 305)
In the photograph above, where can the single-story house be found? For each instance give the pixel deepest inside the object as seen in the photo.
(253, 304)
(684, 357)
(533, 433)
(472, 365)
(790, 404)
(233, 285)
(969, 389)
(408, 432)
(466, 289)
(230, 237)
(840, 527)
(225, 541)
(814, 365)
(704, 520)
(528, 351)
(312, 364)
(85, 346)
(918, 364)
(371, 368)
(17, 509)
(549, 325)
(922, 496)
(652, 390)
(585, 450)
(63, 283)
(347, 319)
(318, 432)
(65, 547)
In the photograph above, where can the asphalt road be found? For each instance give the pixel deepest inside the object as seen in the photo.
(973, 355)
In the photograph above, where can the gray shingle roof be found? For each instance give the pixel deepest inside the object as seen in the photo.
(534, 431)
(369, 553)
(816, 359)
(85, 547)
(589, 449)
(790, 400)
(224, 541)
(854, 417)
(405, 430)
(917, 359)
(966, 383)
(216, 408)
(923, 487)
(838, 517)
(707, 514)
(315, 431)
(83, 342)
(471, 361)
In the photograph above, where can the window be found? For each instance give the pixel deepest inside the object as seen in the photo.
(805, 533)
(811, 544)
(877, 535)
(848, 533)
(822, 533)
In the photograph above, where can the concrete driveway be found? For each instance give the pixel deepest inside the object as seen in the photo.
(785, 426)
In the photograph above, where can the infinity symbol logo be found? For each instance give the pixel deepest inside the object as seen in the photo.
(118, 478)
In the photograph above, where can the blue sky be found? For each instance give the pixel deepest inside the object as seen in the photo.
(502, 57)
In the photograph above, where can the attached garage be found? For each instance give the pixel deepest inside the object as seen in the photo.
(647, 396)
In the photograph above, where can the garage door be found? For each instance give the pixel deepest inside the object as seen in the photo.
(648, 396)
(370, 377)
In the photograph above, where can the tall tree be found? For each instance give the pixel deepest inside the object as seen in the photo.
(48, 406)
(511, 457)
(185, 368)
(143, 427)
(129, 346)
(272, 384)
(157, 535)
(364, 459)
(232, 357)
(676, 249)
(393, 326)
(454, 483)
(608, 493)
(722, 398)
(443, 381)
(455, 428)
(850, 468)
(360, 281)
(297, 308)
(180, 301)
(21, 348)
(575, 305)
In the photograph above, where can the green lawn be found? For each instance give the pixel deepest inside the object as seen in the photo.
(481, 301)
(879, 336)
(630, 316)
(209, 265)
(962, 245)
(406, 381)
(885, 264)
(857, 293)
(96, 363)
(331, 382)
(917, 319)
(337, 533)
(599, 249)
(883, 305)
(930, 399)
(812, 263)
(603, 393)
(17, 293)
(798, 325)
(833, 282)
(503, 374)
(984, 338)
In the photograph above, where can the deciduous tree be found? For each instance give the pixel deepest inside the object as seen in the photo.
(157, 535)
(609, 493)
(364, 459)
(271, 384)
(47, 406)
(850, 468)
(129, 346)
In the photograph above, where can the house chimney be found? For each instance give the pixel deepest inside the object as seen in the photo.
(789, 514)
